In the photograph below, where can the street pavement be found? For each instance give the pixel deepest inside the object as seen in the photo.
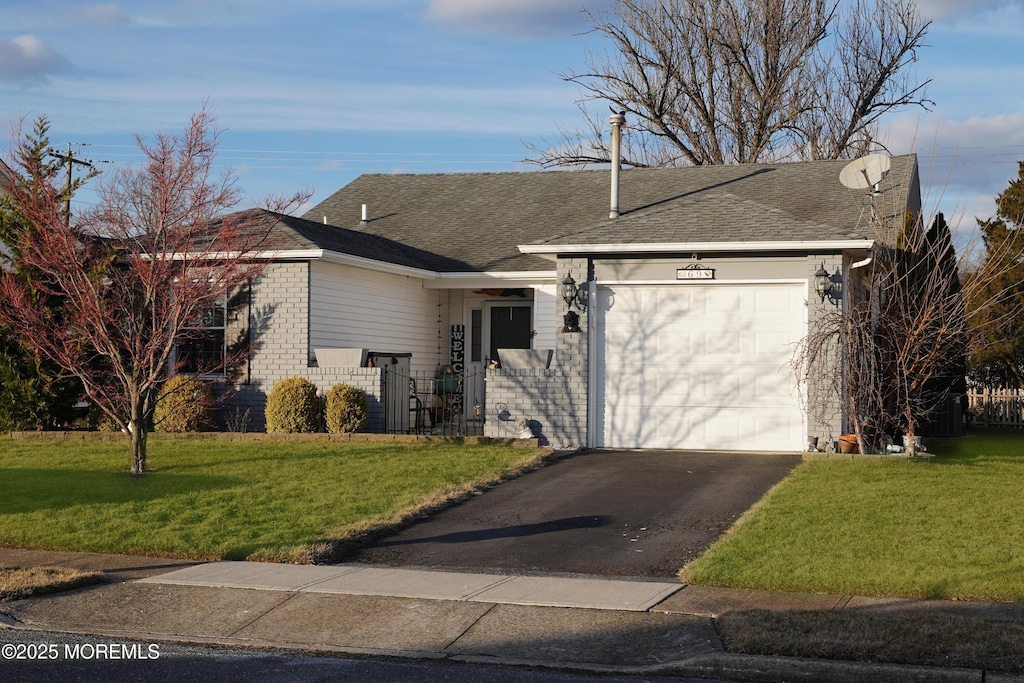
(582, 623)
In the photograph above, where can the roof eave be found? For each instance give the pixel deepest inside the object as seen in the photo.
(493, 278)
(551, 251)
(379, 266)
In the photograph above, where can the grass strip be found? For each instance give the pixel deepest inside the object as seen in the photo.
(17, 583)
(943, 527)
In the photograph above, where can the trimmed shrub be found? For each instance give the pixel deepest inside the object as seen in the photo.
(185, 405)
(294, 407)
(347, 409)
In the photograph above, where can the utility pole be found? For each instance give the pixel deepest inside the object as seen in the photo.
(69, 161)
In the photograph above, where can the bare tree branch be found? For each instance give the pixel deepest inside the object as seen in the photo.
(744, 81)
(135, 274)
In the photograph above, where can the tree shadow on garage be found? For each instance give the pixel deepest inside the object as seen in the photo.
(706, 393)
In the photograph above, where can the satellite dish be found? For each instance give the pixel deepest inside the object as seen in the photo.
(866, 172)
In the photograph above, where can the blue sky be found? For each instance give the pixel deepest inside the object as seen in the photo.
(315, 92)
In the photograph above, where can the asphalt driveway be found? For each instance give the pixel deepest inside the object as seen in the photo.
(616, 513)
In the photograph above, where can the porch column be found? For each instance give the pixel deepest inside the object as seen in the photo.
(572, 354)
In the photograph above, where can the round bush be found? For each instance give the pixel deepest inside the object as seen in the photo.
(185, 405)
(294, 407)
(347, 410)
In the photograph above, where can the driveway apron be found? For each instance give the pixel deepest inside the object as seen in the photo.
(615, 513)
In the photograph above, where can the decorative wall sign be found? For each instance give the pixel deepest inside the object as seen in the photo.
(458, 348)
(695, 271)
(458, 361)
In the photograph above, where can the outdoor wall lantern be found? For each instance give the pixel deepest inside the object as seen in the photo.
(572, 295)
(830, 286)
(569, 290)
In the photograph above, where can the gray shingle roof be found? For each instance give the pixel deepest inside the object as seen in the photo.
(300, 233)
(475, 221)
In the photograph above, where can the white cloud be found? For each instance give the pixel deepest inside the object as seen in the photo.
(944, 9)
(247, 104)
(517, 18)
(26, 58)
(103, 14)
(965, 163)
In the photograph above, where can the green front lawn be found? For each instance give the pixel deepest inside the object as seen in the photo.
(945, 527)
(290, 500)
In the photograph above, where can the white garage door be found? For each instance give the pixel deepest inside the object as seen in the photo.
(699, 367)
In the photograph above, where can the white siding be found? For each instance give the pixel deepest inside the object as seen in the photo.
(353, 307)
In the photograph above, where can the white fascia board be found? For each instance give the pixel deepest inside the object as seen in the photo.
(489, 279)
(347, 259)
(432, 279)
(552, 250)
(380, 266)
(273, 255)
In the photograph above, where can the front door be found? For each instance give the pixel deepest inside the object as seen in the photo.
(493, 325)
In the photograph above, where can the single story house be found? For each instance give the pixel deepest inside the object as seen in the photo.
(690, 298)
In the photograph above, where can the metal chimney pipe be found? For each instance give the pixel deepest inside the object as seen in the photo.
(617, 121)
(363, 215)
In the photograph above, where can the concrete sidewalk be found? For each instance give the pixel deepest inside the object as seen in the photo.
(568, 622)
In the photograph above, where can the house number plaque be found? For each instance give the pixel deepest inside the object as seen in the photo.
(695, 272)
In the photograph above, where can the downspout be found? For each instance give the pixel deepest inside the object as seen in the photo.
(847, 291)
(617, 121)
(593, 437)
(861, 264)
(853, 267)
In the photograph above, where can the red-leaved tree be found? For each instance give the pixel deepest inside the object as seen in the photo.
(137, 274)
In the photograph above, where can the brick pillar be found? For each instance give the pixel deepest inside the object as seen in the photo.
(572, 354)
(819, 385)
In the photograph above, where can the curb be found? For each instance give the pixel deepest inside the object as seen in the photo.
(732, 667)
(762, 669)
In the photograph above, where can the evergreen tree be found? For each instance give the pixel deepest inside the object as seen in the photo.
(997, 357)
(34, 393)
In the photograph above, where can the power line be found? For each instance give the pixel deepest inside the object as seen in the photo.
(69, 162)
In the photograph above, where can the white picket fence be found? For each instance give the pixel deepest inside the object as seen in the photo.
(997, 407)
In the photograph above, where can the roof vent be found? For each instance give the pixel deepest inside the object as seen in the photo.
(363, 216)
(618, 120)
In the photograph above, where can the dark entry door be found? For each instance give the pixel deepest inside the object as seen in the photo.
(511, 328)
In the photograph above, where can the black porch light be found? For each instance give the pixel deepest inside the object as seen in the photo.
(569, 290)
(822, 282)
(573, 294)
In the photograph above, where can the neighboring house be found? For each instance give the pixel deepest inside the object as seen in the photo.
(691, 302)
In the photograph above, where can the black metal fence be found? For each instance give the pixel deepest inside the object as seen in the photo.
(429, 403)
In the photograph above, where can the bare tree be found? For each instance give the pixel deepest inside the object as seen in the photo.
(744, 81)
(895, 350)
(136, 274)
